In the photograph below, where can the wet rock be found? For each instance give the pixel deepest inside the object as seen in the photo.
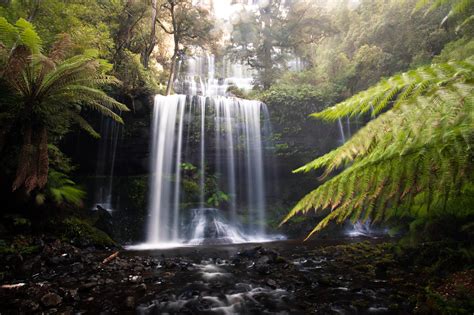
(51, 299)
(147, 309)
(243, 287)
(135, 278)
(31, 266)
(73, 294)
(141, 288)
(77, 267)
(250, 253)
(271, 283)
(28, 306)
(109, 281)
(262, 266)
(130, 302)
(88, 285)
(324, 281)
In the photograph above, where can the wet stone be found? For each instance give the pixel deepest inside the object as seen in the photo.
(51, 299)
(130, 302)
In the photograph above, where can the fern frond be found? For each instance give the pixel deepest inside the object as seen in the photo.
(413, 83)
(83, 124)
(28, 35)
(8, 33)
(420, 148)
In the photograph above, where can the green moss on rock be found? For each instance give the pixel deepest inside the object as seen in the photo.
(81, 233)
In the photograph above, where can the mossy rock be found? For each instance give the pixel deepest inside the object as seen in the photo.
(19, 245)
(80, 233)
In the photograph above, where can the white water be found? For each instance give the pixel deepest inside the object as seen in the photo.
(223, 137)
(109, 131)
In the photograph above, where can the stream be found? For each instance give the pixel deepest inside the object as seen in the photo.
(338, 276)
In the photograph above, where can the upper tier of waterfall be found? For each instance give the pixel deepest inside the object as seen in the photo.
(202, 75)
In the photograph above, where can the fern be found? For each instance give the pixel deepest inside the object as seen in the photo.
(421, 147)
(53, 88)
(63, 190)
(400, 88)
(8, 33)
(460, 9)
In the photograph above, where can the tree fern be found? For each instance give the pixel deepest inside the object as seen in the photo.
(399, 88)
(420, 147)
(51, 89)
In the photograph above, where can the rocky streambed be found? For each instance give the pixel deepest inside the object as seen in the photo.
(347, 276)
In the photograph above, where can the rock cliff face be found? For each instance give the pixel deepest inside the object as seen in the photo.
(293, 148)
(132, 149)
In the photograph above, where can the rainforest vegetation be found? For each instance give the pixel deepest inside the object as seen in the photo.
(371, 107)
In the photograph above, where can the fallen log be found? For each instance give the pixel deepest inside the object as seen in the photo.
(110, 258)
(12, 286)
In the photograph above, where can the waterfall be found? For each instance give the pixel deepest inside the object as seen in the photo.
(223, 138)
(341, 131)
(359, 228)
(104, 174)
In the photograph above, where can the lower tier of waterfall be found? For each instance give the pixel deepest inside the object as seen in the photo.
(208, 152)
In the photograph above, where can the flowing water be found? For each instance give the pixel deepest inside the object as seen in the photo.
(225, 142)
(110, 132)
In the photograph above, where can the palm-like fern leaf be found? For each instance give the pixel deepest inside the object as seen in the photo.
(50, 87)
(399, 88)
(422, 146)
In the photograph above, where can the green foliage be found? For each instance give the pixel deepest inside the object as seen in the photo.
(265, 39)
(136, 80)
(138, 192)
(374, 40)
(188, 167)
(48, 94)
(22, 33)
(89, 22)
(406, 161)
(61, 189)
(19, 245)
(461, 11)
(217, 199)
(462, 303)
(290, 105)
(399, 88)
(81, 232)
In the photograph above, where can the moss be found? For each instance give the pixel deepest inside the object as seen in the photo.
(81, 233)
(19, 245)
(364, 268)
(360, 304)
(6, 248)
(138, 192)
(461, 304)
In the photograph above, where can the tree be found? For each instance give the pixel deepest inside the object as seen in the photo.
(412, 158)
(188, 25)
(44, 94)
(461, 11)
(152, 38)
(265, 38)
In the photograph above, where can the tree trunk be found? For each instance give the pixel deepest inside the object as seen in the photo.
(24, 160)
(43, 158)
(149, 49)
(169, 87)
(267, 78)
(33, 161)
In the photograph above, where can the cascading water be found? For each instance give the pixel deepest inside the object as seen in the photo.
(225, 139)
(359, 228)
(110, 131)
